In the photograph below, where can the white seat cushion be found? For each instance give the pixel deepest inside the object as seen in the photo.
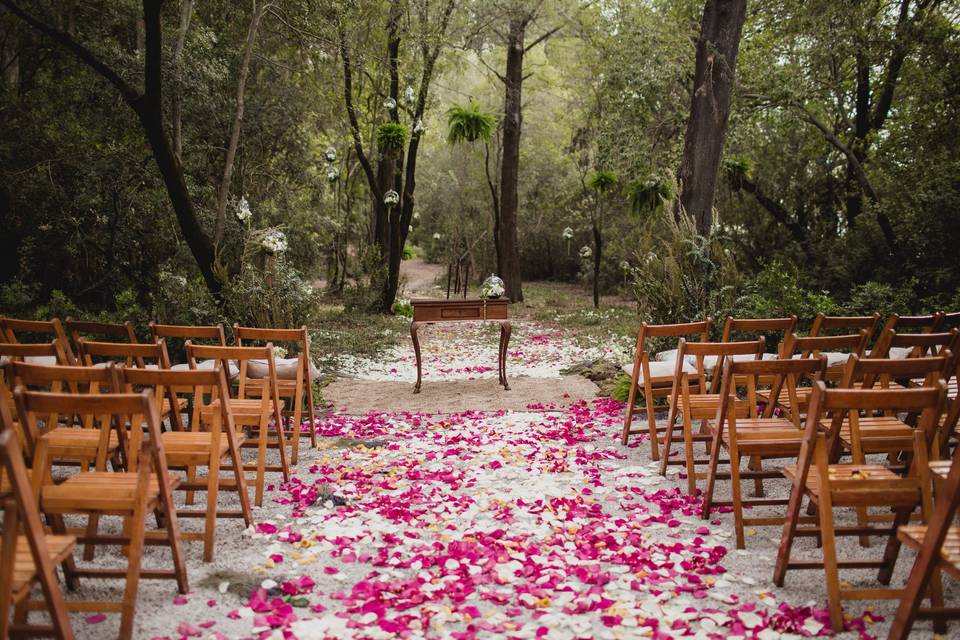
(209, 365)
(710, 362)
(286, 368)
(900, 353)
(834, 358)
(47, 360)
(659, 370)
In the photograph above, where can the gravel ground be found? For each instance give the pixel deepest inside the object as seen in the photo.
(509, 457)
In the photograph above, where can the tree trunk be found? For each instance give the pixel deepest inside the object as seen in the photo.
(186, 12)
(597, 250)
(508, 253)
(710, 108)
(258, 10)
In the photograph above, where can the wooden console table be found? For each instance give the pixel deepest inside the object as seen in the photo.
(426, 311)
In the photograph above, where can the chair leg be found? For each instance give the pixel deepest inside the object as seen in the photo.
(262, 464)
(735, 492)
(668, 440)
(213, 487)
(59, 527)
(297, 417)
(191, 478)
(129, 603)
(312, 413)
(711, 476)
(688, 451)
(789, 533)
(756, 464)
(7, 560)
(93, 524)
(830, 561)
(628, 419)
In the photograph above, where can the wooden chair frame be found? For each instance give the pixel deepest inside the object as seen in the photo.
(248, 412)
(189, 449)
(753, 327)
(654, 387)
(30, 558)
(854, 486)
(701, 406)
(10, 327)
(294, 389)
(145, 487)
(757, 438)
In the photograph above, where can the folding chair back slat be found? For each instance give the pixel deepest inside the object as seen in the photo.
(13, 330)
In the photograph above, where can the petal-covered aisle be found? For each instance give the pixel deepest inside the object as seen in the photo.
(512, 525)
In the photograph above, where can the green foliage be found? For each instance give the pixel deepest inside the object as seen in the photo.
(650, 195)
(882, 298)
(408, 253)
(469, 123)
(602, 181)
(403, 307)
(275, 295)
(737, 170)
(621, 390)
(775, 292)
(391, 136)
(684, 276)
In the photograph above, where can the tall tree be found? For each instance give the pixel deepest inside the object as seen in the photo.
(393, 183)
(148, 105)
(713, 81)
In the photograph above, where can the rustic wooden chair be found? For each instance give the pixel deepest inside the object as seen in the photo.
(898, 324)
(13, 330)
(757, 438)
(142, 356)
(212, 334)
(254, 412)
(71, 439)
(938, 548)
(774, 330)
(144, 488)
(836, 349)
(694, 403)
(87, 329)
(656, 376)
(47, 353)
(188, 450)
(27, 558)
(294, 376)
(829, 486)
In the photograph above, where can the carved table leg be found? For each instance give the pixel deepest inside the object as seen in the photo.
(505, 330)
(414, 326)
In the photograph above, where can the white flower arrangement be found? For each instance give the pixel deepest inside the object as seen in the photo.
(410, 229)
(567, 233)
(279, 352)
(491, 288)
(274, 242)
(332, 174)
(416, 215)
(418, 127)
(585, 251)
(409, 95)
(437, 236)
(243, 210)
(390, 104)
(624, 265)
(390, 198)
(330, 154)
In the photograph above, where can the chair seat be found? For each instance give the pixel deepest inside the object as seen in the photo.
(783, 400)
(879, 434)
(101, 492)
(769, 436)
(661, 372)
(76, 444)
(861, 485)
(834, 358)
(59, 548)
(914, 535)
(192, 447)
(244, 411)
(705, 405)
(287, 368)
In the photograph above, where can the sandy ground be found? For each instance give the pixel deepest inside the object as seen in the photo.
(349, 395)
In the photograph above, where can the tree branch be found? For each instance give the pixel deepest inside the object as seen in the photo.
(832, 138)
(352, 115)
(774, 208)
(130, 95)
(542, 37)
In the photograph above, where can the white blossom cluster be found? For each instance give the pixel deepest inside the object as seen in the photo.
(243, 210)
(274, 241)
(390, 198)
(567, 233)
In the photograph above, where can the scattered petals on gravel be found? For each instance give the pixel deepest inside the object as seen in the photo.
(468, 350)
(495, 525)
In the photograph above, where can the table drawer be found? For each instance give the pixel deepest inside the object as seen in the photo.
(461, 313)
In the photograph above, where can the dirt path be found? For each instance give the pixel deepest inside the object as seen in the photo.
(420, 278)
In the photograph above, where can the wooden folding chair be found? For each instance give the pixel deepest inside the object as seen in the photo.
(212, 334)
(13, 330)
(27, 558)
(694, 403)
(142, 356)
(188, 450)
(70, 439)
(938, 548)
(656, 376)
(253, 413)
(775, 332)
(897, 324)
(757, 438)
(133, 494)
(294, 376)
(829, 486)
(836, 349)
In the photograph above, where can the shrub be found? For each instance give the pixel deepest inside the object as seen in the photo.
(275, 295)
(391, 137)
(408, 253)
(775, 292)
(403, 307)
(881, 297)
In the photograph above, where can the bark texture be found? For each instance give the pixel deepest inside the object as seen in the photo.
(508, 254)
(714, 77)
